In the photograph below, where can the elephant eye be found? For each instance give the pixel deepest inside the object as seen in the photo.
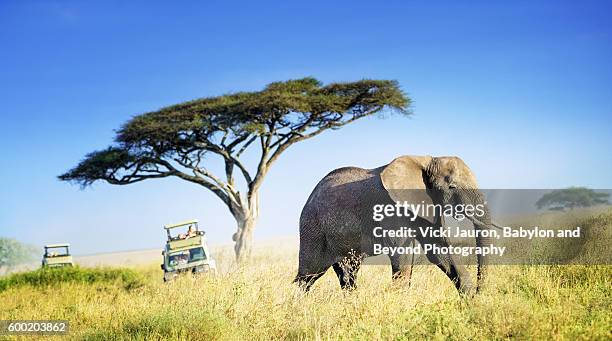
(448, 179)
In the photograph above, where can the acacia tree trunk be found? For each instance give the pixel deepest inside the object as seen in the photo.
(243, 238)
(246, 219)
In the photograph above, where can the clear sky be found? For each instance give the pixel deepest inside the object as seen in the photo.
(520, 91)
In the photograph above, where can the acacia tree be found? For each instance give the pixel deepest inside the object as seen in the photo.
(571, 198)
(13, 252)
(178, 140)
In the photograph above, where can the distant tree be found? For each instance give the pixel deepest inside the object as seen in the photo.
(13, 252)
(178, 140)
(571, 198)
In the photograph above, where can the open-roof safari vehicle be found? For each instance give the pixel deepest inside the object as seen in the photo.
(57, 255)
(186, 252)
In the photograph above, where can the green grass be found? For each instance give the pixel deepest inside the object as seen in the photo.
(259, 302)
(45, 277)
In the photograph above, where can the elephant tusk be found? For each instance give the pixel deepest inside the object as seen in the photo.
(496, 226)
(476, 221)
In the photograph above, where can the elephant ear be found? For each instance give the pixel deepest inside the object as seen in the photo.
(404, 179)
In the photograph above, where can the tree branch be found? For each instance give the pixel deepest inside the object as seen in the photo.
(261, 166)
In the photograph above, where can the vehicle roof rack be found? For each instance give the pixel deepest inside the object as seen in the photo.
(57, 245)
(188, 222)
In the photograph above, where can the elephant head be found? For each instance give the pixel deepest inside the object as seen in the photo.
(439, 180)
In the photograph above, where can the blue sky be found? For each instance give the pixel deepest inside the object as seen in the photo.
(520, 91)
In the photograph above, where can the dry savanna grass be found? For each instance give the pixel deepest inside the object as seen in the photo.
(259, 301)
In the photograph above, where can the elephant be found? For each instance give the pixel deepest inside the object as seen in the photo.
(336, 221)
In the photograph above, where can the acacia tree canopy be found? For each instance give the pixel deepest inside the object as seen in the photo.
(13, 252)
(174, 141)
(572, 197)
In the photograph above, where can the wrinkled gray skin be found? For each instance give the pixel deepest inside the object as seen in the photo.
(336, 222)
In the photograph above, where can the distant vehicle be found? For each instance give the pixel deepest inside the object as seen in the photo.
(186, 252)
(57, 255)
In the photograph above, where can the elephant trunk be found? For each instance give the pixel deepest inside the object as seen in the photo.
(482, 225)
(483, 239)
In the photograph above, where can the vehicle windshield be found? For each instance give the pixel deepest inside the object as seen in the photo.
(56, 252)
(187, 256)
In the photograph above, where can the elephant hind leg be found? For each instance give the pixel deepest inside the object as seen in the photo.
(346, 277)
(306, 281)
(346, 270)
(340, 273)
(313, 263)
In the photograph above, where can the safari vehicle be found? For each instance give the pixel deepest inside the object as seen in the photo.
(186, 252)
(57, 255)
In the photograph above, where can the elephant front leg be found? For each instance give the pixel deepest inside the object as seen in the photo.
(401, 268)
(456, 272)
